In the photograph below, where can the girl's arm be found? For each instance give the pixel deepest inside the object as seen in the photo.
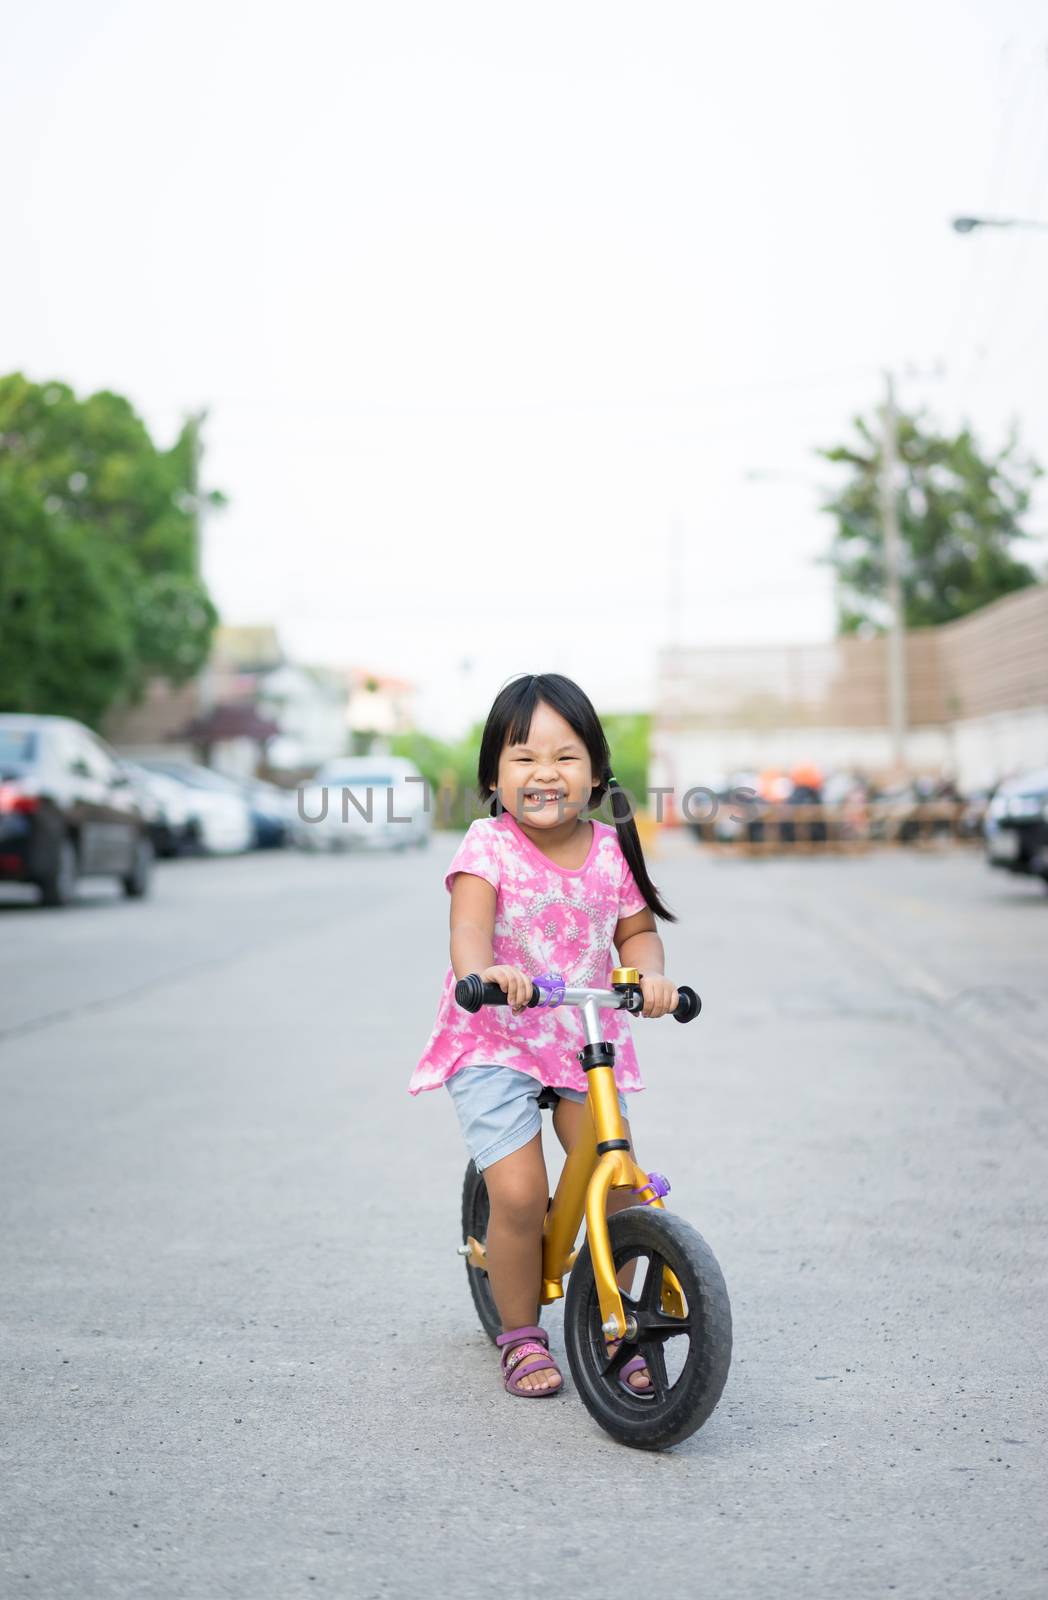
(472, 932)
(639, 946)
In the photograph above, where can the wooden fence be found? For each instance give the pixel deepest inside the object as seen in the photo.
(848, 829)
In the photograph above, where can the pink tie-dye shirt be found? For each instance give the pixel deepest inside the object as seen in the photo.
(547, 919)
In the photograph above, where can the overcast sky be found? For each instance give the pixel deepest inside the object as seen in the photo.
(495, 306)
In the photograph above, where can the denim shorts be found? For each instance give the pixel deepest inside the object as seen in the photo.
(498, 1109)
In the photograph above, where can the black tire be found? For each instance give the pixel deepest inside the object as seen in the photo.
(679, 1400)
(475, 1210)
(136, 883)
(165, 843)
(58, 885)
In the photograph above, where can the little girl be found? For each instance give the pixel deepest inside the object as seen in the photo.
(535, 889)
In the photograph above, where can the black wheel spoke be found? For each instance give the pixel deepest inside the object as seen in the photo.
(651, 1350)
(618, 1360)
(651, 1294)
(652, 1322)
(629, 1305)
(659, 1326)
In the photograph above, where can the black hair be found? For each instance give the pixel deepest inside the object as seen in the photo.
(509, 722)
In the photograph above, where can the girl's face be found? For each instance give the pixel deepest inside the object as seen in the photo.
(549, 779)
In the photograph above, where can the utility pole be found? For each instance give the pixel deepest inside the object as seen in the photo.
(674, 583)
(194, 427)
(662, 746)
(897, 695)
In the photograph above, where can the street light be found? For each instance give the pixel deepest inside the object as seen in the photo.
(969, 224)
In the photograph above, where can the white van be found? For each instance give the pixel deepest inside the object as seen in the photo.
(364, 803)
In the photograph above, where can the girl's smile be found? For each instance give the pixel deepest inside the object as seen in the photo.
(544, 796)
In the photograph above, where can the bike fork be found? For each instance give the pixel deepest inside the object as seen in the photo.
(615, 1169)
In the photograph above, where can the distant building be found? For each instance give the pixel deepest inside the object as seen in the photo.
(977, 702)
(249, 687)
(309, 705)
(154, 725)
(240, 658)
(231, 737)
(378, 707)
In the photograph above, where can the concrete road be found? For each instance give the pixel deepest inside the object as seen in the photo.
(239, 1357)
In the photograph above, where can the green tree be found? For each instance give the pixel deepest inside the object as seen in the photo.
(628, 738)
(960, 519)
(436, 759)
(99, 580)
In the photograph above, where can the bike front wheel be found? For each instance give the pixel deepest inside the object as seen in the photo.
(685, 1340)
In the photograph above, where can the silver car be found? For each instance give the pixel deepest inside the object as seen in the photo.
(364, 803)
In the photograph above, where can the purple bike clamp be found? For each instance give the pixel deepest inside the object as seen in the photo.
(659, 1185)
(550, 986)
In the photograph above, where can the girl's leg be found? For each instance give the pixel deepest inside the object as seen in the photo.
(518, 1189)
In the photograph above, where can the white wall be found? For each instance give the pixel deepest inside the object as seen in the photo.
(707, 756)
(993, 747)
(977, 752)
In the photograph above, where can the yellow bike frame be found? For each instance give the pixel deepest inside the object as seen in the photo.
(590, 1174)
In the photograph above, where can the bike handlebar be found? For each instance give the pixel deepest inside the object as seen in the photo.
(472, 992)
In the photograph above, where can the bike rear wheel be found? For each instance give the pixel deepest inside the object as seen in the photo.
(688, 1355)
(475, 1212)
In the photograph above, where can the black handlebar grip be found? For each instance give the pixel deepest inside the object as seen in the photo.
(472, 993)
(689, 1004)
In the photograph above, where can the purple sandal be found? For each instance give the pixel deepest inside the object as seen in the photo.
(636, 1364)
(518, 1345)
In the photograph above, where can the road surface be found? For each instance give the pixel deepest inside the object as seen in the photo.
(238, 1351)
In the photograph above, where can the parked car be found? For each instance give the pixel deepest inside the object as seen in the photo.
(68, 810)
(272, 811)
(167, 810)
(364, 802)
(972, 821)
(1016, 828)
(219, 816)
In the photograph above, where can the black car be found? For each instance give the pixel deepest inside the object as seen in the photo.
(68, 810)
(1016, 825)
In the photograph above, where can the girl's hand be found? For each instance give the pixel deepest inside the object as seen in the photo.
(515, 985)
(660, 996)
